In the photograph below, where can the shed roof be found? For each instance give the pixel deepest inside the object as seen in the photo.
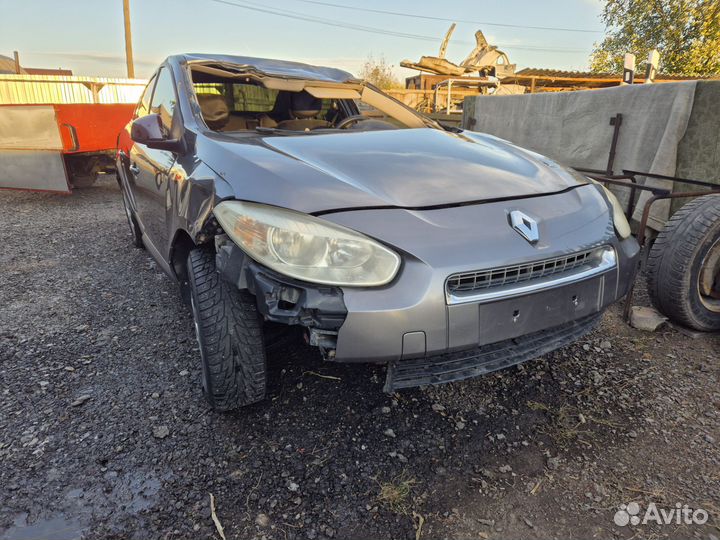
(557, 73)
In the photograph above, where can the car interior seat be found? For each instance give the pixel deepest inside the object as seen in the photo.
(218, 117)
(214, 110)
(303, 110)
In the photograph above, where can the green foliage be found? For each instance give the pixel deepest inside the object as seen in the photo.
(685, 32)
(379, 73)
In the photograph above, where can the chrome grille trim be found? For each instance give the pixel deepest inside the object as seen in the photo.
(508, 281)
(506, 275)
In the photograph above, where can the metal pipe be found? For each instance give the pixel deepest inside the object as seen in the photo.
(631, 200)
(449, 88)
(671, 178)
(616, 122)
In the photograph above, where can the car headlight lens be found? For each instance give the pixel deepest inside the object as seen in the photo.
(622, 227)
(305, 247)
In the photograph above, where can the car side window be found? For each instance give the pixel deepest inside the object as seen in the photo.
(143, 107)
(164, 99)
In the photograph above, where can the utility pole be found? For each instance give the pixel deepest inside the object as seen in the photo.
(128, 40)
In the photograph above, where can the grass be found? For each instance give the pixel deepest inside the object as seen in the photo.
(567, 422)
(396, 494)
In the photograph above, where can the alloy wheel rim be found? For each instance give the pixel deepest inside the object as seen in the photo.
(709, 279)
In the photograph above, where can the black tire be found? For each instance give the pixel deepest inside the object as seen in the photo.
(132, 221)
(229, 333)
(684, 266)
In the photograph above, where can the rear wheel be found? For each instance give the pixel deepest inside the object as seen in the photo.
(684, 265)
(229, 333)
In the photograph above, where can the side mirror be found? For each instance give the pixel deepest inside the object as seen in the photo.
(148, 130)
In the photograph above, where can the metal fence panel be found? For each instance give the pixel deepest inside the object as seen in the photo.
(51, 89)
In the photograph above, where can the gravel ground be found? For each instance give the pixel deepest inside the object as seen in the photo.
(103, 432)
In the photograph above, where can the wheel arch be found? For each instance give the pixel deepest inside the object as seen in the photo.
(180, 247)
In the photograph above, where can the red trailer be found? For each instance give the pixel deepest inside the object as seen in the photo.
(57, 133)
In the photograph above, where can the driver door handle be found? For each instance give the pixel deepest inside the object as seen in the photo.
(134, 169)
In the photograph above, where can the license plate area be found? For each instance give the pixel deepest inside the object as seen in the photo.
(513, 317)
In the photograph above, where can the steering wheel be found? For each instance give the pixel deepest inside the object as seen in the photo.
(345, 122)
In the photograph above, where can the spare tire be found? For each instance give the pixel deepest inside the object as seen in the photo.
(683, 269)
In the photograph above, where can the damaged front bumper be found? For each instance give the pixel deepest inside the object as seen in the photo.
(518, 325)
(425, 333)
(284, 300)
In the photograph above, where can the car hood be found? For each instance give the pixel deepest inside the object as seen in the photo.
(406, 168)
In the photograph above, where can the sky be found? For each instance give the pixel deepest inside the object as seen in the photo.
(87, 35)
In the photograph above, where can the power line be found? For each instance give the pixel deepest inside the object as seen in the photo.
(431, 18)
(374, 30)
(328, 22)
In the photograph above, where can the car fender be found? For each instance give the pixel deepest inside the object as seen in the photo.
(191, 197)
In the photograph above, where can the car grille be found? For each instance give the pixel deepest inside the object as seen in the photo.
(508, 275)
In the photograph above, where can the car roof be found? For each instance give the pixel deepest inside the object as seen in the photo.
(280, 68)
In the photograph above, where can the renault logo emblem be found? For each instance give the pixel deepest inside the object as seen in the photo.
(525, 226)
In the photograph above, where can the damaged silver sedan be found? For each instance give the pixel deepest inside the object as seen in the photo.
(278, 192)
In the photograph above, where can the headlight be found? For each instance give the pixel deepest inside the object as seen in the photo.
(305, 247)
(622, 227)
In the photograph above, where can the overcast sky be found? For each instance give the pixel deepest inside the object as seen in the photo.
(87, 35)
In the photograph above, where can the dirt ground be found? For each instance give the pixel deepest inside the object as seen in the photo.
(104, 433)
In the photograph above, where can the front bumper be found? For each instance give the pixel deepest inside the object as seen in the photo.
(484, 359)
(431, 327)
(412, 317)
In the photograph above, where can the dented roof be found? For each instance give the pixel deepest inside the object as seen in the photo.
(278, 68)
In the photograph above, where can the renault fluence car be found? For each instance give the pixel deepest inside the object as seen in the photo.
(279, 192)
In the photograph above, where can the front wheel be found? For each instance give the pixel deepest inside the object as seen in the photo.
(684, 265)
(229, 333)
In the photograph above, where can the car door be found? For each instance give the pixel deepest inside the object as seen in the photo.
(149, 167)
(124, 166)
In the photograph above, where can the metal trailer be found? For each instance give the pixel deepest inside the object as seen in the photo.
(682, 266)
(461, 85)
(59, 132)
(708, 277)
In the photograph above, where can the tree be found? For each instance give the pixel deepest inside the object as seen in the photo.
(685, 32)
(379, 73)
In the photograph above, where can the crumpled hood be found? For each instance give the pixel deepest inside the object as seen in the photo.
(408, 168)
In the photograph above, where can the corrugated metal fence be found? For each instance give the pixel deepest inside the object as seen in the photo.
(51, 89)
